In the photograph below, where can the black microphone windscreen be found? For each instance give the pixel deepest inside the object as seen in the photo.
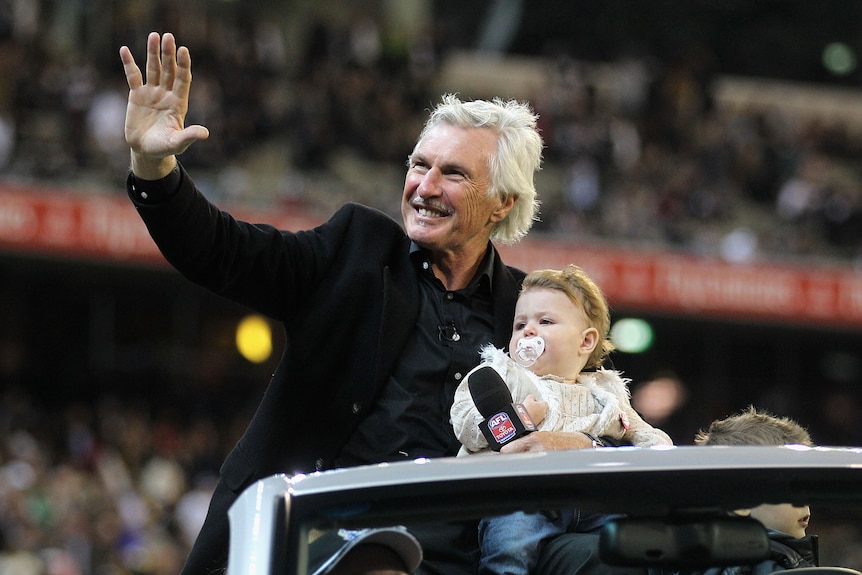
(489, 391)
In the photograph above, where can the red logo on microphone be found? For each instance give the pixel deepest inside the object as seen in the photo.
(501, 427)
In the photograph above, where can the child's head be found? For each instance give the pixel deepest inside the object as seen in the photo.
(569, 312)
(753, 427)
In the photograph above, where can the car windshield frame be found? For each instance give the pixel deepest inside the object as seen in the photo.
(271, 521)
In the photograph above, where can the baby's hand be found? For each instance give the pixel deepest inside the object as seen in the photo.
(537, 409)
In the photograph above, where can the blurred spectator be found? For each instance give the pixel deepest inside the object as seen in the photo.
(103, 130)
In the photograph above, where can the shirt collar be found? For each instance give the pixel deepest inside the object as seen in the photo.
(484, 275)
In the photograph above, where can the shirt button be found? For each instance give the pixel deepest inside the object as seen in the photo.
(318, 464)
(458, 377)
(449, 295)
(357, 408)
(425, 265)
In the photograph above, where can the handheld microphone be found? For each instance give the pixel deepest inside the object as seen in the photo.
(504, 420)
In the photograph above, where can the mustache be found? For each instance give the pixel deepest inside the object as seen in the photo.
(419, 202)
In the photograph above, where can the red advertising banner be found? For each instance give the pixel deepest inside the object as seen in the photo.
(656, 281)
(90, 226)
(106, 228)
(74, 225)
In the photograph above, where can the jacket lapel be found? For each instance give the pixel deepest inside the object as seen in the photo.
(506, 286)
(400, 309)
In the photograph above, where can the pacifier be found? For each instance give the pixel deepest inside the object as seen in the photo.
(529, 349)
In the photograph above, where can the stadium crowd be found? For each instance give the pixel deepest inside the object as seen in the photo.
(654, 161)
(110, 489)
(115, 488)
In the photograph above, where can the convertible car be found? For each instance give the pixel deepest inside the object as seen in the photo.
(674, 500)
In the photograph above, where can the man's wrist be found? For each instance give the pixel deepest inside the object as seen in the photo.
(154, 191)
(596, 442)
(152, 170)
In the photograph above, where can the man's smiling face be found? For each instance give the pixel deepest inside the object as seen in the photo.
(445, 205)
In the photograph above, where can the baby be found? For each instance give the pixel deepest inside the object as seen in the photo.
(554, 368)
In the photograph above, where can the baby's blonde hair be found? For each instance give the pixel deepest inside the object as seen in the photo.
(584, 292)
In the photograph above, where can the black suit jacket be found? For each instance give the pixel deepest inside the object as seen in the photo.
(347, 296)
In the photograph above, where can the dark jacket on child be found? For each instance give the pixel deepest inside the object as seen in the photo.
(786, 552)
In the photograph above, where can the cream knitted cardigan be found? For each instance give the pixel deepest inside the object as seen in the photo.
(597, 403)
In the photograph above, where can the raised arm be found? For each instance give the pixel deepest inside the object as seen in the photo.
(156, 112)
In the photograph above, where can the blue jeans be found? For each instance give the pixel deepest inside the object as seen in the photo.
(510, 544)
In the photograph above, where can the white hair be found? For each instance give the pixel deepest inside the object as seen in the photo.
(517, 159)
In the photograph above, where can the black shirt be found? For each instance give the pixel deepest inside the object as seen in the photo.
(411, 418)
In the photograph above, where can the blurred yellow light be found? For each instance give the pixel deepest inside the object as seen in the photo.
(254, 338)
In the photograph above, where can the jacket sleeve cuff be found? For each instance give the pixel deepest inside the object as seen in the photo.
(154, 191)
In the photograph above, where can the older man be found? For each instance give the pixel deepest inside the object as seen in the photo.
(381, 321)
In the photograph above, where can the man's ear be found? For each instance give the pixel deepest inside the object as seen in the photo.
(590, 341)
(504, 208)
